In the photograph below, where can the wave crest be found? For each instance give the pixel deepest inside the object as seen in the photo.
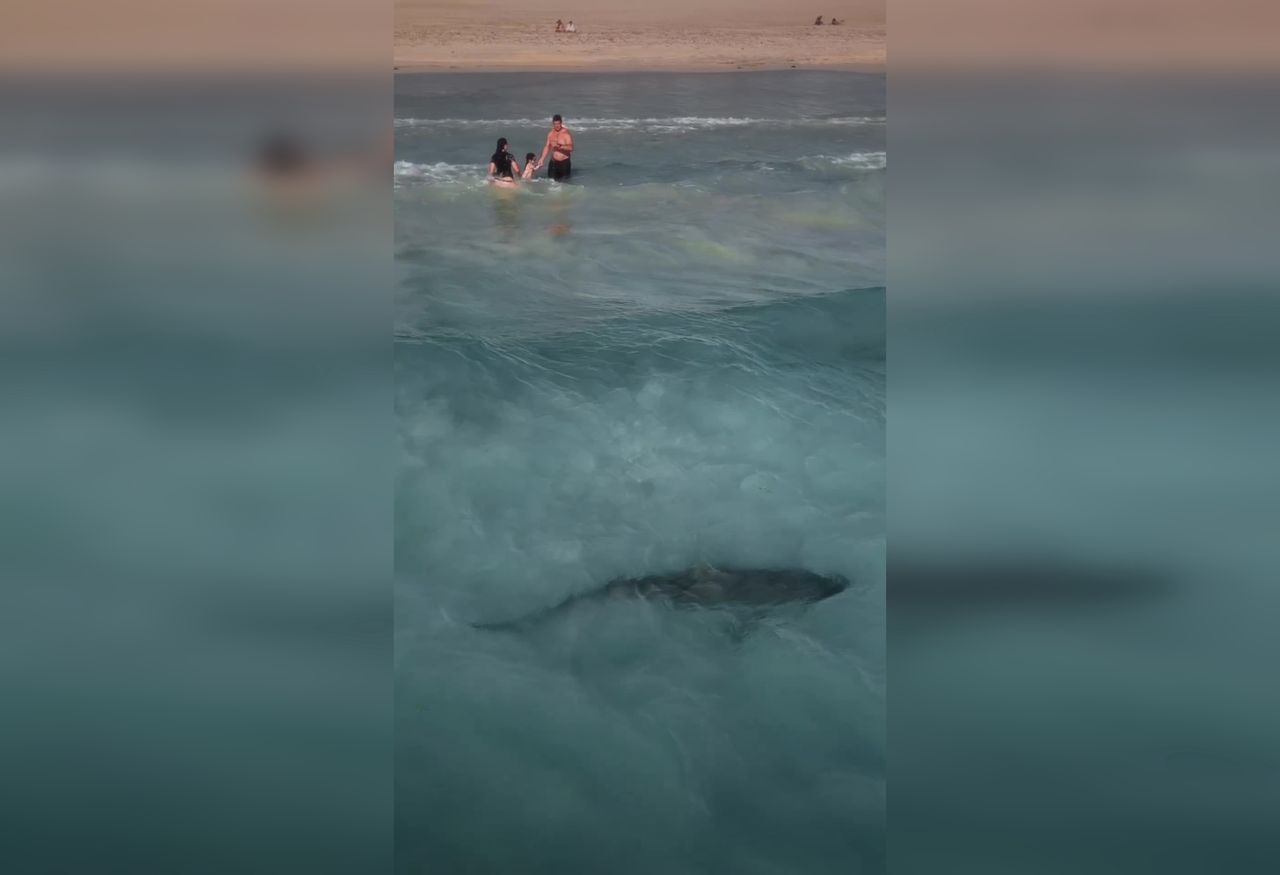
(673, 124)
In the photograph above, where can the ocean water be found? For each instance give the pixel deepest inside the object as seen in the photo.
(676, 358)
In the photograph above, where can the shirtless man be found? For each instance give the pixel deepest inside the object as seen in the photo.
(560, 145)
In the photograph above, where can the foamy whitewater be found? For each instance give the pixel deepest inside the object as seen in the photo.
(677, 358)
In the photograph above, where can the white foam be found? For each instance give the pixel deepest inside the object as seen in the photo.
(671, 124)
(865, 160)
(569, 481)
(858, 160)
(439, 172)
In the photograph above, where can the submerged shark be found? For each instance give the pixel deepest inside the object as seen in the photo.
(700, 587)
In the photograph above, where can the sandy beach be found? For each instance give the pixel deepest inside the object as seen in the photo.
(765, 34)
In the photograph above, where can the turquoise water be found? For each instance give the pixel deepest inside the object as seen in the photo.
(676, 358)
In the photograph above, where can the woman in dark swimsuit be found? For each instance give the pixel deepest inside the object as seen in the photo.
(503, 168)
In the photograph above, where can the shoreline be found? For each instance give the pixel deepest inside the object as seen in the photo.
(409, 68)
(609, 47)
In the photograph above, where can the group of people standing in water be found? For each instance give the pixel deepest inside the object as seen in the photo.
(504, 169)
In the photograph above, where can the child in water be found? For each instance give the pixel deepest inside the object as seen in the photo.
(530, 162)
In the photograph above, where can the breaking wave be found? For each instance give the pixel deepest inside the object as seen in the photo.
(439, 172)
(855, 161)
(861, 160)
(677, 124)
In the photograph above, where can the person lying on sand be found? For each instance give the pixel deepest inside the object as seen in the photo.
(836, 21)
(529, 166)
(503, 168)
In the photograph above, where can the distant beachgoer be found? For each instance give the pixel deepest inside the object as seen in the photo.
(835, 21)
(818, 20)
(285, 160)
(560, 145)
(559, 26)
(529, 166)
(282, 156)
(503, 168)
(570, 27)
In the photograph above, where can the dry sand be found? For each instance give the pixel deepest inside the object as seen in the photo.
(663, 35)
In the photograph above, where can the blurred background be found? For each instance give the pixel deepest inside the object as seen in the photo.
(1082, 422)
(195, 545)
